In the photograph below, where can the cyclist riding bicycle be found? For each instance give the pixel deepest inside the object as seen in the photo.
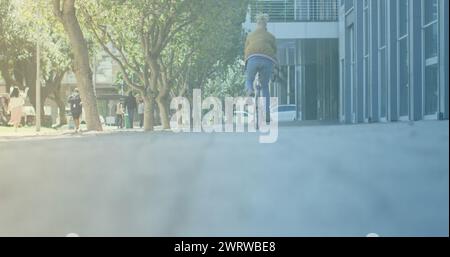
(260, 58)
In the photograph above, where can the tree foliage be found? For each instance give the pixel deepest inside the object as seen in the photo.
(163, 48)
(22, 25)
(170, 46)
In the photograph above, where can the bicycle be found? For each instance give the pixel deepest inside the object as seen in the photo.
(257, 88)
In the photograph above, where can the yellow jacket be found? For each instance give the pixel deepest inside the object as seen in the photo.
(261, 43)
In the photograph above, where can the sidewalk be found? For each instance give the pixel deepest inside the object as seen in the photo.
(26, 133)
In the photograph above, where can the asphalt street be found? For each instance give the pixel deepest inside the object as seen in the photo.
(337, 180)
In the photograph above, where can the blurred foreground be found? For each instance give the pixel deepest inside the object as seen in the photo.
(389, 179)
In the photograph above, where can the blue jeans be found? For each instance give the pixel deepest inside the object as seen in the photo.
(264, 68)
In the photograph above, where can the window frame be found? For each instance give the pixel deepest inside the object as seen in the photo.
(382, 50)
(428, 62)
(399, 40)
(367, 101)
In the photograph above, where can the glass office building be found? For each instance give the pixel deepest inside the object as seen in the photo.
(360, 60)
(308, 52)
(393, 60)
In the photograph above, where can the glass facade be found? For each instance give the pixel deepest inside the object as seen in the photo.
(431, 59)
(351, 82)
(366, 44)
(308, 73)
(308, 77)
(403, 57)
(383, 59)
(402, 51)
(296, 10)
(385, 64)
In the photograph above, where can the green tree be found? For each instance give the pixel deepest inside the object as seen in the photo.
(14, 44)
(21, 29)
(229, 83)
(66, 13)
(169, 46)
(209, 47)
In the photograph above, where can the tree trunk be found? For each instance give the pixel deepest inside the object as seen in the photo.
(83, 73)
(163, 107)
(62, 109)
(148, 113)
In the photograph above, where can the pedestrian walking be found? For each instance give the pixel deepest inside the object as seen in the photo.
(76, 108)
(260, 58)
(131, 106)
(120, 112)
(15, 106)
(141, 110)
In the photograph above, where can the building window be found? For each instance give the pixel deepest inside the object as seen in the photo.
(403, 17)
(382, 12)
(430, 39)
(431, 89)
(349, 4)
(383, 65)
(341, 92)
(403, 57)
(403, 76)
(430, 8)
(352, 72)
(285, 85)
(367, 87)
(383, 83)
(366, 30)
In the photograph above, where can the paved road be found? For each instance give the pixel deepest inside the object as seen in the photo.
(390, 179)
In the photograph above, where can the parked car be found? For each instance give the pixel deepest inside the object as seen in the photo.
(243, 115)
(286, 113)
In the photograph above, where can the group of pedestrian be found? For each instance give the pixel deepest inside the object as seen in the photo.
(129, 106)
(16, 102)
(13, 107)
(260, 57)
